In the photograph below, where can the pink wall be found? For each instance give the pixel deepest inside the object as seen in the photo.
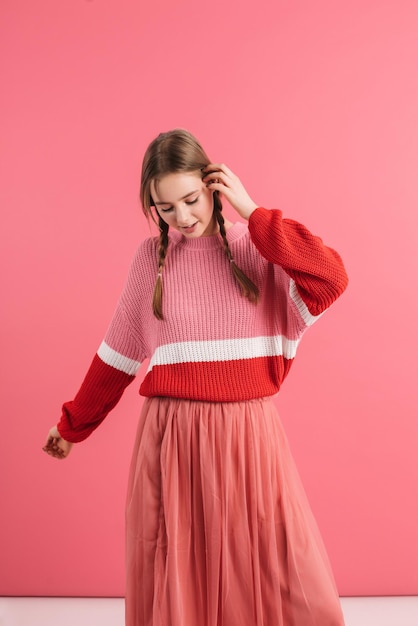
(314, 105)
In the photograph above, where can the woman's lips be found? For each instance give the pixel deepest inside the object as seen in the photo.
(189, 229)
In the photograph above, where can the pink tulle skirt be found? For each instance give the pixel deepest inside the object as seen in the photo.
(219, 529)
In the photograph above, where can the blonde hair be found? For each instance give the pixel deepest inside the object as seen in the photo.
(179, 151)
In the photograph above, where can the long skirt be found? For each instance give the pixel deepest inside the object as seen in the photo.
(219, 531)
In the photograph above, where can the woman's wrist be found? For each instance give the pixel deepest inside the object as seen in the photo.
(248, 210)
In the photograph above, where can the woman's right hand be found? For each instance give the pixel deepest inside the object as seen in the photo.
(56, 446)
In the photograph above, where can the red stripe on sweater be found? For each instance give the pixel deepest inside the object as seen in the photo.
(219, 381)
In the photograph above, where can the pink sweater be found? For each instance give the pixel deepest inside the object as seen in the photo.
(213, 344)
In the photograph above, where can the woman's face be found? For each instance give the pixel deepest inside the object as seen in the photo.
(184, 202)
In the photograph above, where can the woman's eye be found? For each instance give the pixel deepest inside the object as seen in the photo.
(170, 208)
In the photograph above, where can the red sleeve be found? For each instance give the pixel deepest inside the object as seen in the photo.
(99, 393)
(317, 270)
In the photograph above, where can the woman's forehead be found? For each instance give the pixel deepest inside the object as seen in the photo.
(175, 186)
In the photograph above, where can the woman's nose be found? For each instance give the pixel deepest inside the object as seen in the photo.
(183, 215)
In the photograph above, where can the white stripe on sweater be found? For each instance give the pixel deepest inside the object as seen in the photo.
(117, 360)
(223, 350)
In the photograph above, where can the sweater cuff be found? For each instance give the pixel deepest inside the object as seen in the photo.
(101, 390)
(258, 216)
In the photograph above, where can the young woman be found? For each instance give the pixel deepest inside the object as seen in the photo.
(218, 527)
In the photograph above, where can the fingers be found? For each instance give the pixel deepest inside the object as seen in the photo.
(218, 177)
(57, 447)
(217, 173)
(53, 449)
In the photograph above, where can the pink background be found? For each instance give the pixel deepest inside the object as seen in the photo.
(314, 105)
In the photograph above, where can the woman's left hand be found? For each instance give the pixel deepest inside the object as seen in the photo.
(219, 177)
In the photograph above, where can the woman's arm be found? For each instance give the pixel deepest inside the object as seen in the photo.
(316, 269)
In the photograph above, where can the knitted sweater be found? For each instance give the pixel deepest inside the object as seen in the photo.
(213, 344)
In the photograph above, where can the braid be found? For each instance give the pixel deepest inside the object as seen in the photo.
(247, 287)
(157, 300)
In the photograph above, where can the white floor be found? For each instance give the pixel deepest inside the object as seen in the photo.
(380, 611)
